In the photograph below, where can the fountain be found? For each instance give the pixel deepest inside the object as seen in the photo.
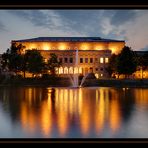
(84, 79)
(75, 77)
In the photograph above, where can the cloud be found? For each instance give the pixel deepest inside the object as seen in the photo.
(131, 25)
(135, 32)
(2, 27)
(122, 16)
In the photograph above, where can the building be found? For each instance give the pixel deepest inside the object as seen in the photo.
(92, 53)
(141, 73)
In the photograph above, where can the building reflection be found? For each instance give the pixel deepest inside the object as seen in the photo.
(57, 108)
(141, 97)
(60, 109)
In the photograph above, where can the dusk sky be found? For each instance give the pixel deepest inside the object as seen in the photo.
(128, 25)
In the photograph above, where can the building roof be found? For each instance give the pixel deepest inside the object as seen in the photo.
(68, 39)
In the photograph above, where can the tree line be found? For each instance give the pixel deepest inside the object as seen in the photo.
(126, 62)
(31, 61)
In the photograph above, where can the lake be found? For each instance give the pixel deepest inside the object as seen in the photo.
(89, 112)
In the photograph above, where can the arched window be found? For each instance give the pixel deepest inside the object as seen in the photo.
(76, 70)
(61, 70)
(66, 70)
(80, 70)
(71, 70)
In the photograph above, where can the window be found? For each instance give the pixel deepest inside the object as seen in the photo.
(65, 60)
(101, 60)
(106, 60)
(96, 69)
(96, 60)
(61, 60)
(91, 60)
(45, 60)
(81, 60)
(71, 60)
(101, 69)
(101, 75)
(86, 60)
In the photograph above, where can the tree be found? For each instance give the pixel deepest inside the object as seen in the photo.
(112, 65)
(126, 62)
(12, 58)
(53, 63)
(35, 62)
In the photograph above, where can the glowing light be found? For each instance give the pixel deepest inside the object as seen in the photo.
(62, 46)
(46, 47)
(61, 70)
(101, 60)
(66, 70)
(24, 115)
(100, 111)
(80, 70)
(114, 115)
(106, 60)
(46, 120)
(76, 70)
(32, 46)
(71, 70)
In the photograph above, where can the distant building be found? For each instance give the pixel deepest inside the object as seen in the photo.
(93, 52)
(141, 73)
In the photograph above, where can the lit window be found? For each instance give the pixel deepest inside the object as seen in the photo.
(65, 70)
(101, 60)
(101, 75)
(71, 70)
(76, 70)
(106, 60)
(80, 70)
(60, 70)
(45, 60)
(96, 75)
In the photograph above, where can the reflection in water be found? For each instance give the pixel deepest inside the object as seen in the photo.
(63, 104)
(64, 111)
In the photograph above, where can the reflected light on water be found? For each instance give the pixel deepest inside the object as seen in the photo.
(59, 106)
(141, 96)
(45, 117)
(100, 111)
(114, 115)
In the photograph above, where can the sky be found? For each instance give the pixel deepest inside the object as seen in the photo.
(130, 25)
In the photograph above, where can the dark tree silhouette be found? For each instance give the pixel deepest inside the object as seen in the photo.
(35, 62)
(53, 63)
(126, 62)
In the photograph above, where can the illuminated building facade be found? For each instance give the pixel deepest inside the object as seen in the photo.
(93, 52)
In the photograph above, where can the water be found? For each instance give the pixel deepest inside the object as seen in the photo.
(93, 112)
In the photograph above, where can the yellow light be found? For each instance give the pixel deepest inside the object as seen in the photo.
(46, 47)
(106, 60)
(101, 60)
(32, 46)
(62, 46)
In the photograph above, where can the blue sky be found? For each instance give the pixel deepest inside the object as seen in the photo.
(128, 25)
